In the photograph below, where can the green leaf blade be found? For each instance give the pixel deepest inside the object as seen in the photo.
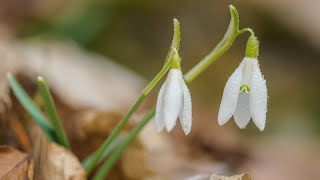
(30, 107)
(52, 113)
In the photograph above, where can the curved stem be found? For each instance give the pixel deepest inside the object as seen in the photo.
(245, 30)
(219, 50)
(93, 159)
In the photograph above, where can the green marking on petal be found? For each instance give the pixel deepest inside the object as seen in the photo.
(245, 88)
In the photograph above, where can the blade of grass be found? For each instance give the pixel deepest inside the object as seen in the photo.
(52, 113)
(31, 107)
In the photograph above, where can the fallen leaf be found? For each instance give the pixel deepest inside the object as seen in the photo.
(244, 176)
(53, 161)
(14, 164)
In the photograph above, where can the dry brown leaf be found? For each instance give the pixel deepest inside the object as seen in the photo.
(244, 176)
(14, 164)
(53, 161)
(93, 127)
(89, 117)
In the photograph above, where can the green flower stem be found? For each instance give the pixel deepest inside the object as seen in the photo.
(245, 30)
(90, 163)
(220, 49)
(93, 159)
(157, 78)
(52, 113)
(114, 145)
(116, 155)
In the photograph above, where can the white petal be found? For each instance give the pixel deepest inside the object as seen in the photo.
(258, 97)
(172, 98)
(242, 115)
(230, 96)
(159, 122)
(186, 110)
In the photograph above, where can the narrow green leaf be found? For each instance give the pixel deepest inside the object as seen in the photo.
(52, 113)
(31, 107)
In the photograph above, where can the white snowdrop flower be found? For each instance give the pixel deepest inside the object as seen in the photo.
(245, 94)
(174, 100)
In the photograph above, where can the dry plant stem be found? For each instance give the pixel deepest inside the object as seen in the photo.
(93, 159)
(219, 50)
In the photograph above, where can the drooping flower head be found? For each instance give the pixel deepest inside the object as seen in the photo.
(174, 100)
(245, 94)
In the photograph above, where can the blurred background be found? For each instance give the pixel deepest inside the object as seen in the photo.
(137, 34)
